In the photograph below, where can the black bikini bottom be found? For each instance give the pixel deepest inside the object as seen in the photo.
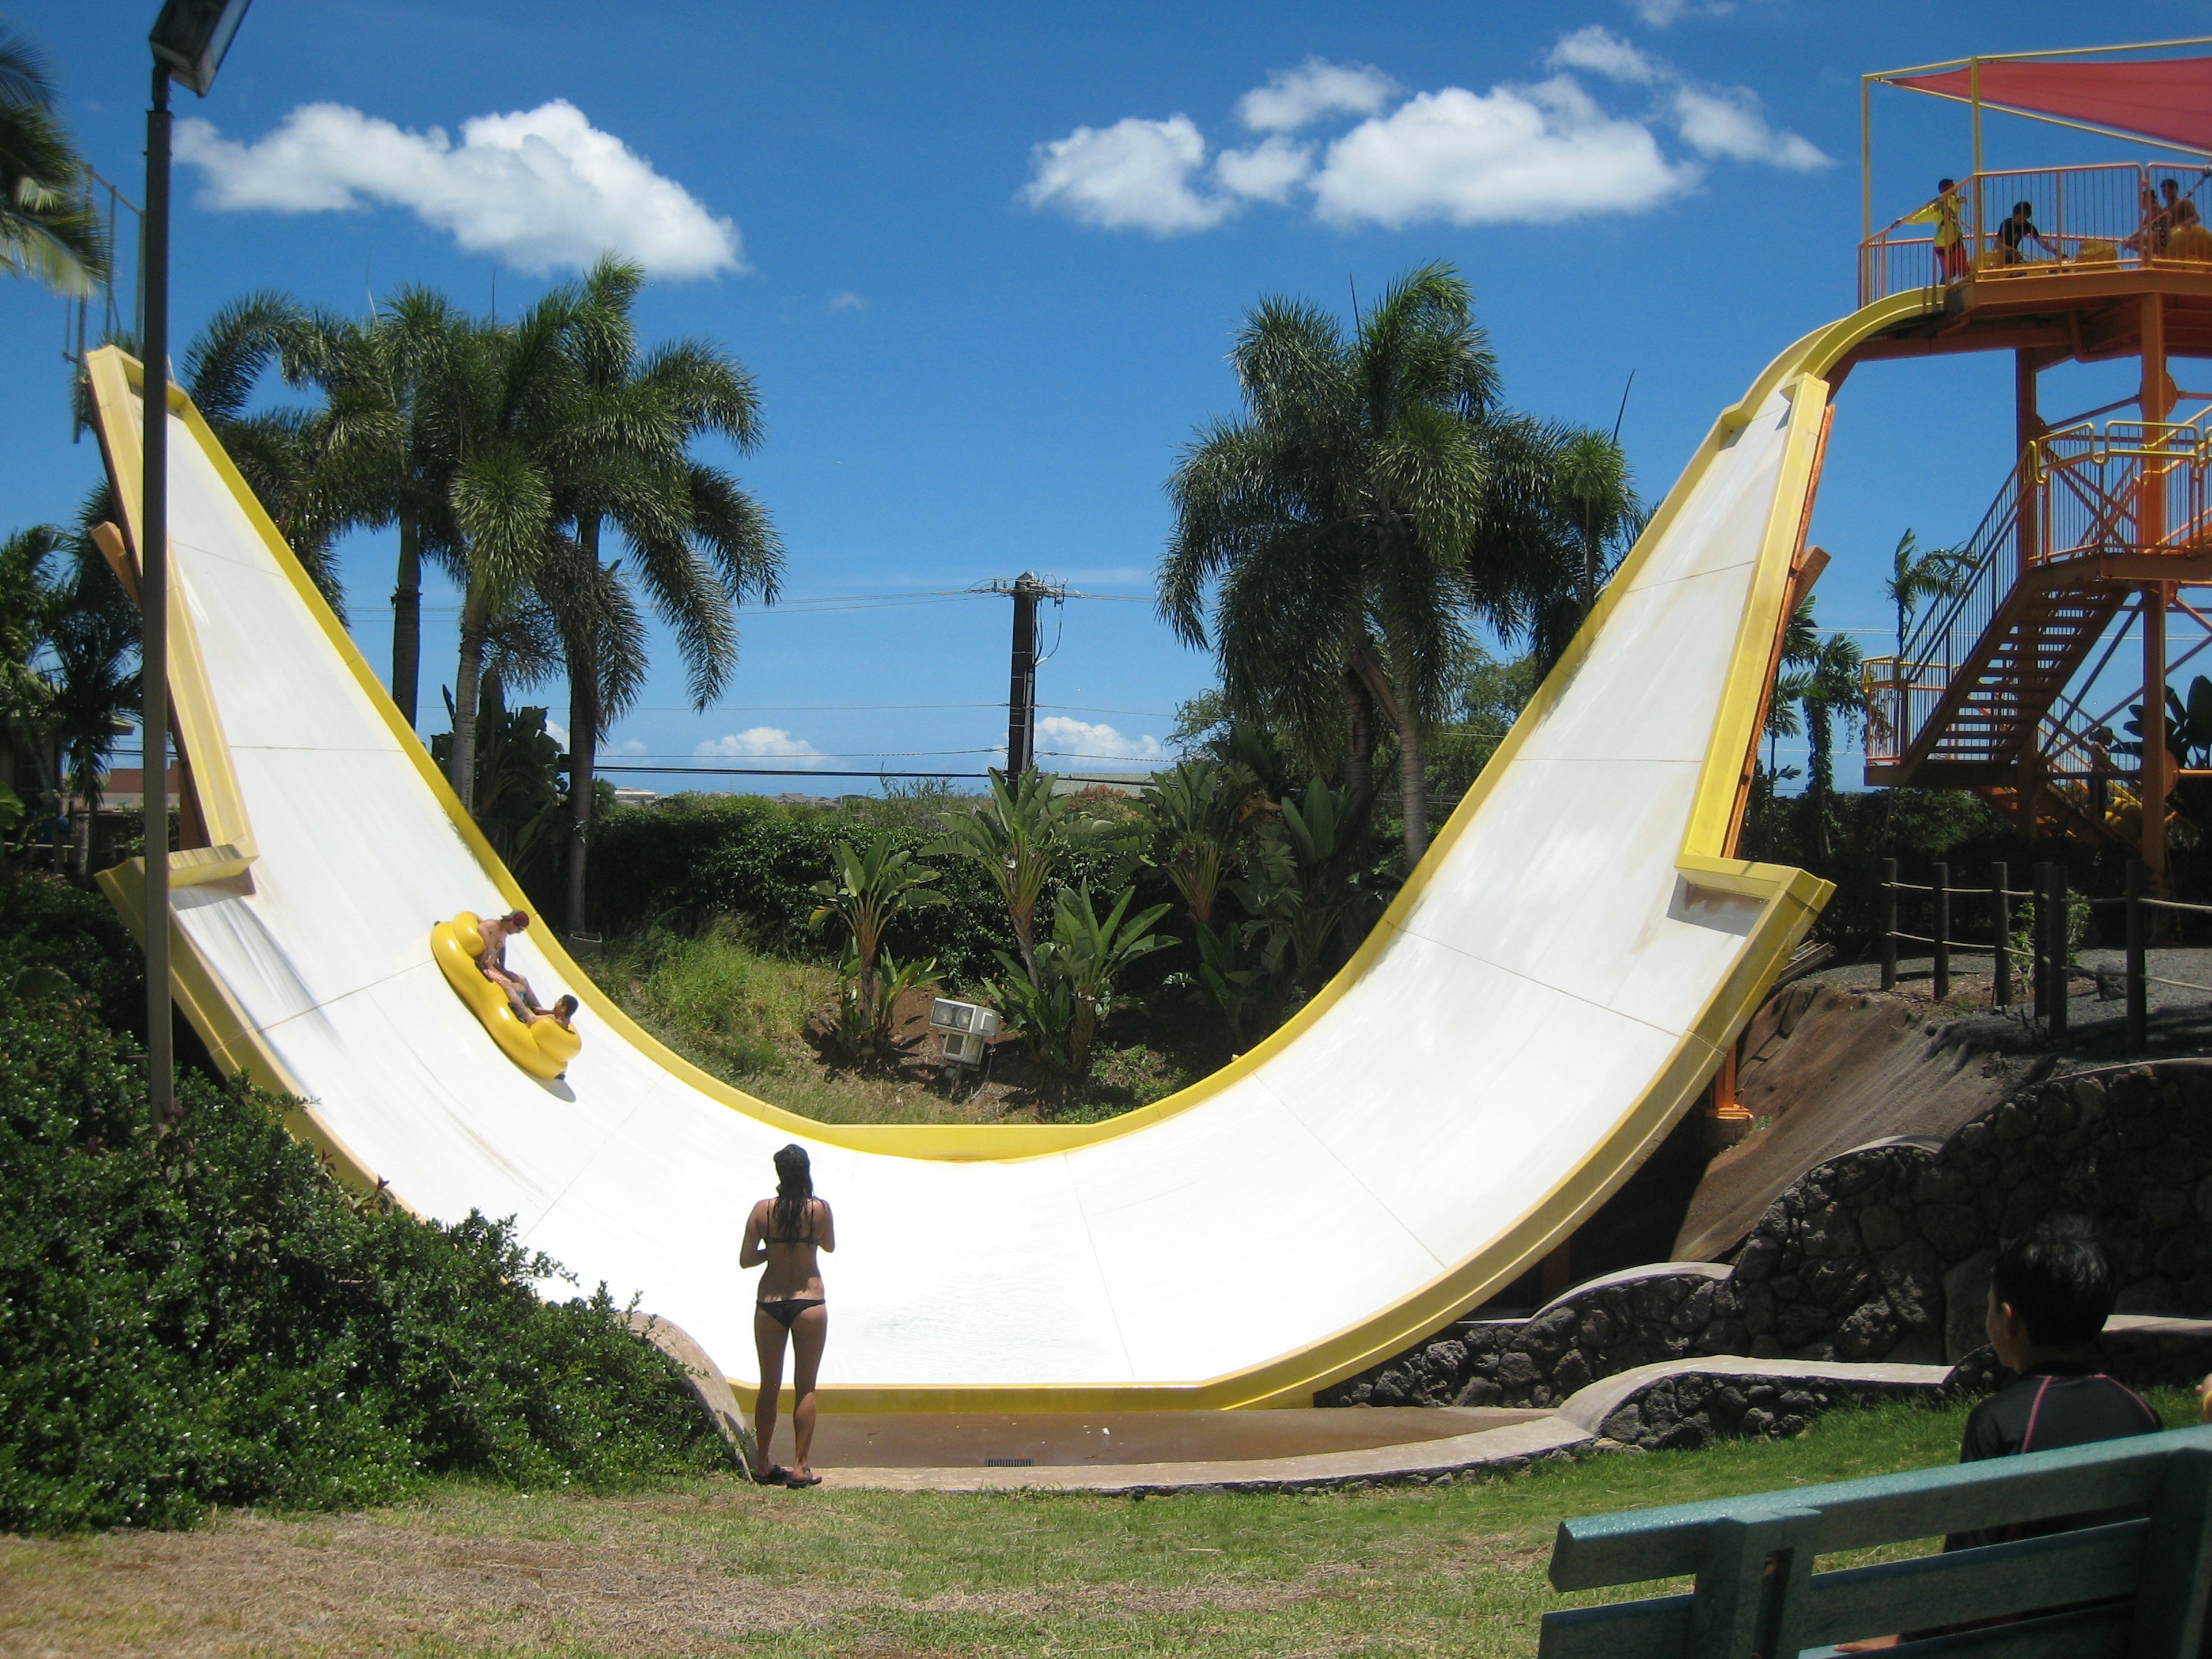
(783, 1312)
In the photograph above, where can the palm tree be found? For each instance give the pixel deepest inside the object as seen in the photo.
(697, 542)
(48, 229)
(497, 407)
(1332, 523)
(1591, 473)
(30, 592)
(391, 460)
(1833, 691)
(284, 454)
(1937, 574)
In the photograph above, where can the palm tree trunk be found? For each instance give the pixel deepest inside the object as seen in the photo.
(583, 741)
(1414, 788)
(1822, 768)
(464, 773)
(1412, 779)
(407, 620)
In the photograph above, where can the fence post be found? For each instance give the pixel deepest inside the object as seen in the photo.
(2039, 937)
(1889, 923)
(1942, 963)
(2138, 988)
(2001, 928)
(2057, 953)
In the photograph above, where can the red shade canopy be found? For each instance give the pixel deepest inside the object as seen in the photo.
(2167, 98)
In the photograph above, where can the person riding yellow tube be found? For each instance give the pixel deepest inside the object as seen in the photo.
(541, 1044)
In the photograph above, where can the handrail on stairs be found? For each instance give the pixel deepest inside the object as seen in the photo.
(2083, 489)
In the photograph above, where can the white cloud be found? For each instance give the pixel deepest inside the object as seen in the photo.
(1600, 50)
(540, 189)
(1726, 121)
(759, 743)
(1060, 737)
(1267, 172)
(631, 746)
(1133, 175)
(1532, 155)
(558, 732)
(1295, 98)
(847, 300)
(1664, 14)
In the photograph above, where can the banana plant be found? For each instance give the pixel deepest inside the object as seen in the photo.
(867, 889)
(1292, 890)
(1059, 1006)
(1018, 836)
(1090, 954)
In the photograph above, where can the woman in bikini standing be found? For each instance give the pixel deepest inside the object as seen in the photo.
(785, 1232)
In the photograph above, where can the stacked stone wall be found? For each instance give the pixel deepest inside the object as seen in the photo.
(1882, 1253)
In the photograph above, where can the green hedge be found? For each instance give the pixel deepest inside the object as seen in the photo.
(205, 1317)
(47, 922)
(687, 859)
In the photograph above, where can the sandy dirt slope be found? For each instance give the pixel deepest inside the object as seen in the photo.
(1827, 1069)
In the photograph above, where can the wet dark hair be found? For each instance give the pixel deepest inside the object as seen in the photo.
(566, 1007)
(2057, 1280)
(1945, 183)
(794, 1191)
(2027, 208)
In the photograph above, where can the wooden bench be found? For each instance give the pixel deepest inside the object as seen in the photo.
(1757, 1593)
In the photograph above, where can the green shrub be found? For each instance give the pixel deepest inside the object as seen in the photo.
(47, 922)
(202, 1317)
(687, 861)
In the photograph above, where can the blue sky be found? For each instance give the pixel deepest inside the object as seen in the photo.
(985, 262)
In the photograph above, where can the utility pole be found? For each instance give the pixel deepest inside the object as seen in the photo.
(1025, 590)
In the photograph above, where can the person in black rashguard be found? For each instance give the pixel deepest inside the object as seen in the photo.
(2049, 1295)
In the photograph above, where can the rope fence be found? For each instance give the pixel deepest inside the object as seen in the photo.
(2047, 959)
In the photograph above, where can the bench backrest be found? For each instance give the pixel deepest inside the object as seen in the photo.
(1757, 1592)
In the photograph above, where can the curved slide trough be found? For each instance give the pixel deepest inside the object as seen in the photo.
(1544, 999)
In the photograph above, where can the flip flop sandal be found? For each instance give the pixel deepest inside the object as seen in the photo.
(799, 1480)
(774, 1475)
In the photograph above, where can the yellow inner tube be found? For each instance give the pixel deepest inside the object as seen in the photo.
(544, 1050)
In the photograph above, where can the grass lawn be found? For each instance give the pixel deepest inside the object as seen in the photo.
(720, 1568)
(739, 1011)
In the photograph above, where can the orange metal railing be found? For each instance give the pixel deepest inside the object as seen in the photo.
(2127, 487)
(2103, 217)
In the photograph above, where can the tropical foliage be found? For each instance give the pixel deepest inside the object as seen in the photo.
(1917, 574)
(1335, 546)
(1071, 988)
(868, 888)
(48, 229)
(1018, 838)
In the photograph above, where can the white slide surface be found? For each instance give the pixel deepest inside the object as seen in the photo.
(1534, 1011)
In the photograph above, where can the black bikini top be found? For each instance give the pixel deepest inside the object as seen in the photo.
(770, 1238)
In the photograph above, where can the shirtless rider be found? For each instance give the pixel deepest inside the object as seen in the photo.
(493, 960)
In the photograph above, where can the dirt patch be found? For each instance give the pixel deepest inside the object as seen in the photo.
(1826, 1069)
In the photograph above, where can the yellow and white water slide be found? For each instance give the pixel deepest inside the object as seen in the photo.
(1547, 996)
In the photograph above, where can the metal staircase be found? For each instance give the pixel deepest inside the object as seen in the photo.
(1979, 699)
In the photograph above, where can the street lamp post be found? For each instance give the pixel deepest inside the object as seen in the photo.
(189, 40)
